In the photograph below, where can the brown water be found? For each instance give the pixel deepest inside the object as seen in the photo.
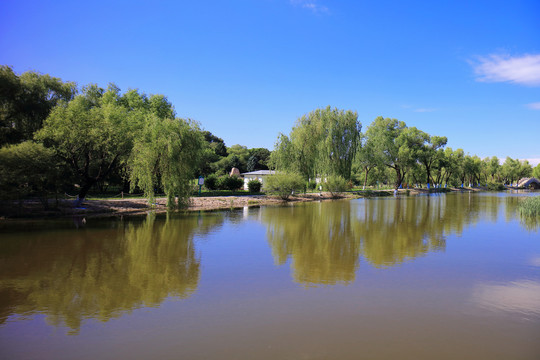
(441, 277)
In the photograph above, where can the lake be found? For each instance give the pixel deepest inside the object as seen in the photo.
(453, 276)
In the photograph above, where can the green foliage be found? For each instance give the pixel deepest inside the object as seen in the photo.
(513, 169)
(536, 172)
(26, 101)
(397, 146)
(311, 185)
(530, 206)
(166, 154)
(211, 182)
(492, 186)
(92, 134)
(429, 154)
(232, 183)
(28, 169)
(254, 186)
(258, 159)
(324, 142)
(284, 184)
(335, 185)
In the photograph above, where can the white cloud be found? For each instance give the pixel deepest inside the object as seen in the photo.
(423, 110)
(523, 70)
(312, 5)
(534, 106)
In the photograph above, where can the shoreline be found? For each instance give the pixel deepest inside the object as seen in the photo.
(33, 210)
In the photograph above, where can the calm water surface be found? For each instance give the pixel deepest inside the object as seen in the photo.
(441, 277)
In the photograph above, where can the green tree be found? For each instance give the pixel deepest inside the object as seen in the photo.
(396, 145)
(258, 159)
(166, 154)
(92, 134)
(26, 101)
(511, 170)
(366, 159)
(323, 142)
(536, 172)
(29, 169)
(428, 155)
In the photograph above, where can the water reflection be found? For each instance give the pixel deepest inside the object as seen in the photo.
(103, 272)
(320, 238)
(325, 241)
(517, 296)
(100, 274)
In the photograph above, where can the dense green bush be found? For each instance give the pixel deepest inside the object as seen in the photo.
(311, 185)
(29, 169)
(284, 184)
(211, 182)
(230, 183)
(495, 186)
(254, 186)
(335, 185)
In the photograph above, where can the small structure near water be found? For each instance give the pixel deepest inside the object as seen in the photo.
(529, 183)
(259, 175)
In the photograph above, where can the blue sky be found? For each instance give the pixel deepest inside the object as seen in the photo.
(247, 69)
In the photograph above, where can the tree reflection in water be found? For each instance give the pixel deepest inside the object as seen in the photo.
(102, 273)
(325, 241)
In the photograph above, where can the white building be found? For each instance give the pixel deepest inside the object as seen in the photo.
(256, 175)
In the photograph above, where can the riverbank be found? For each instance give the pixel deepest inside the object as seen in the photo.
(29, 209)
(125, 207)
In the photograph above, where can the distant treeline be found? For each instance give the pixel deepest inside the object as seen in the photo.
(329, 142)
(56, 138)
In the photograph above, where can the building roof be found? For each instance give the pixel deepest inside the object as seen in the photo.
(260, 172)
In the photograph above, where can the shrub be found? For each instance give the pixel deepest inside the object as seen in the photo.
(211, 182)
(29, 169)
(283, 184)
(530, 206)
(335, 185)
(311, 185)
(254, 186)
(495, 186)
(230, 183)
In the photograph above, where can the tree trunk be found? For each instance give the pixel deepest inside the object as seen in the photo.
(84, 189)
(366, 169)
(399, 179)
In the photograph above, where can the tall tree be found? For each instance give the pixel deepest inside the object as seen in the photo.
(366, 159)
(26, 101)
(397, 145)
(166, 154)
(92, 133)
(323, 142)
(428, 155)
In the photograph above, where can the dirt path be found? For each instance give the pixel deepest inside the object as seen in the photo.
(120, 207)
(116, 207)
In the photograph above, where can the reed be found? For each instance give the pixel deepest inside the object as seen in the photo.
(530, 206)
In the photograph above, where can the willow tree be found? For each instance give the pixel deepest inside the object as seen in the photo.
(166, 154)
(366, 159)
(323, 142)
(94, 133)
